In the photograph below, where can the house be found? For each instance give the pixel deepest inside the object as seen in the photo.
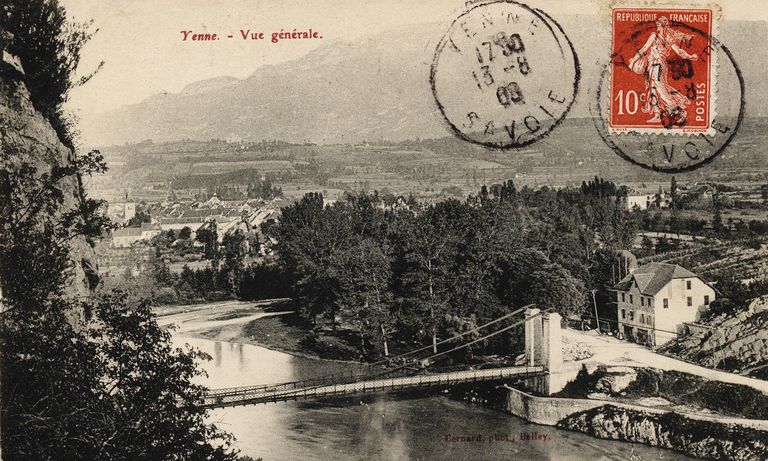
(644, 201)
(639, 201)
(127, 236)
(124, 238)
(655, 300)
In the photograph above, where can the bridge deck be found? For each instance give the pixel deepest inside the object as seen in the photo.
(276, 393)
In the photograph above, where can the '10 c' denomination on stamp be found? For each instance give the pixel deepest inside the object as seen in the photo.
(504, 75)
(663, 70)
(671, 96)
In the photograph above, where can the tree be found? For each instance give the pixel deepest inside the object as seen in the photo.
(185, 233)
(233, 253)
(308, 236)
(647, 245)
(552, 287)
(663, 245)
(365, 274)
(717, 223)
(111, 388)
(674, 192)
(429, 244)
(209, 237)
(105, 389)
(139, 218)
(48, 46)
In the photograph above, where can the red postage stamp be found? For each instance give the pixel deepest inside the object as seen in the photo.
(663, 70)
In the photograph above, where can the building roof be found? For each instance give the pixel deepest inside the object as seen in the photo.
(127, 232)
(652, 277)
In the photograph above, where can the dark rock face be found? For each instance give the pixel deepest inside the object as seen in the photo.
(702, 439)
(26, 136)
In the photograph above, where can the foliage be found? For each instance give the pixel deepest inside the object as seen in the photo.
(116, 390)
(49, 47)
(111, 388)
(185, 233)
(733, 295)
(139, 218)
(234, 250)
(209, 237)
(426, 272)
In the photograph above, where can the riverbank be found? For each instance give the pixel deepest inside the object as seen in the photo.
(667, 409)
(271, 324)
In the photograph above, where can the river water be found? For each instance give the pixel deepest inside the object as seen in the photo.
(382, 427)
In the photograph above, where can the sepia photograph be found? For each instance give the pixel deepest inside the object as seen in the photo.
(245, 230)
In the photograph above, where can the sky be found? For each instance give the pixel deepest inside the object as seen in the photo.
(140, 41)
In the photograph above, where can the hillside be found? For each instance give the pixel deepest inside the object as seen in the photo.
(375, 88)
(736, 343)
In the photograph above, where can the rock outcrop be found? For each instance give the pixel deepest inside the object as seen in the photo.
(737, 343)
(702, 439)
(27, 137)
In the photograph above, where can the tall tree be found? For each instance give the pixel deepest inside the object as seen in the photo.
(365, 277)
(429, 245)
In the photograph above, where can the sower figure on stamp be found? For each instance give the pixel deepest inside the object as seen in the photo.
(651, 60)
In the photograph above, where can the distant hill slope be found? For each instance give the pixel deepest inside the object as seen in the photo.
(375, 88)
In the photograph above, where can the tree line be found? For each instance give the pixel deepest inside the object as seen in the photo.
(423, 273)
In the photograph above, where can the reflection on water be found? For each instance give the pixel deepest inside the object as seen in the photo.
(382, 427)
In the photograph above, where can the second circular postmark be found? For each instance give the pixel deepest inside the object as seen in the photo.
(505, 74)
(672, 97)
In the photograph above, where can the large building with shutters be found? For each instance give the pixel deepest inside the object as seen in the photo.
(655, 300)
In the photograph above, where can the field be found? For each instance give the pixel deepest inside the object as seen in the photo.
(428, 169)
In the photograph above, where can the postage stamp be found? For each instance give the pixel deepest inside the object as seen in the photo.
(671, 96)
(663, 72)
(504, 75)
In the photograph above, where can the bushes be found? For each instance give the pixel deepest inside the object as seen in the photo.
(264, 281)
(166, 295)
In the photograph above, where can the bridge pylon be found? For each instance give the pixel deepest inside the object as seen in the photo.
(543, 347)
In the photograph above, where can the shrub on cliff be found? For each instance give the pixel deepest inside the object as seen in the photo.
(113, 388)
(49, 46)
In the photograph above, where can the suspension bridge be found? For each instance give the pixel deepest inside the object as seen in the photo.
(542, 330)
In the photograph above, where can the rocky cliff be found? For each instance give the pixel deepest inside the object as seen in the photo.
(26, 137)
(702, 439)
(736, 343)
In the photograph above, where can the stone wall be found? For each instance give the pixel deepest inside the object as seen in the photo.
(543, 410)
(701, 438)
(550, 411)
(711, 437)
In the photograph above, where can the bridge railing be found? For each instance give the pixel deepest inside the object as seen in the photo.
(254, 395)
(319, 380)
(343, 378)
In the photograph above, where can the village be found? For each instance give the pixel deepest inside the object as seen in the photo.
(292, 258)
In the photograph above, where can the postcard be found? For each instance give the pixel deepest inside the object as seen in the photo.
(390, 230)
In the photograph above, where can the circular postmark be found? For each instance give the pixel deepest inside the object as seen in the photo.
(672, 148)
(505, 74)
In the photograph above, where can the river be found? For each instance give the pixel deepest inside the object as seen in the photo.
(381, 427)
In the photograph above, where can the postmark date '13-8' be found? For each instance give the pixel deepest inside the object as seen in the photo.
(504, 75)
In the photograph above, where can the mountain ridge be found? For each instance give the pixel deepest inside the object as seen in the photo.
(373, 88)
